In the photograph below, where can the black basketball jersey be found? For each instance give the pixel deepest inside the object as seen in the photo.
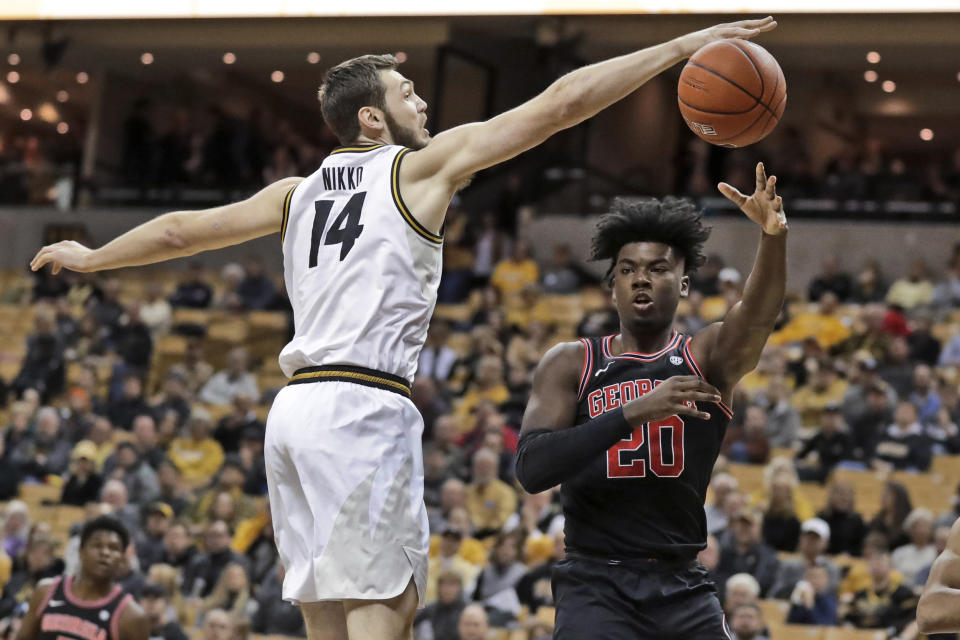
(65, 617)
(644, 496)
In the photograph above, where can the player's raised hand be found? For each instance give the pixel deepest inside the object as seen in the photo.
(764, 207)
(677, 395)
(62, 255)
(744, 29)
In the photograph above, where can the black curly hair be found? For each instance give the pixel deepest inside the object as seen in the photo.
(672, 221)
(104, 523)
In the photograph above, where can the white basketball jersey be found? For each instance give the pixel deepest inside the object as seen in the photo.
(361, 272)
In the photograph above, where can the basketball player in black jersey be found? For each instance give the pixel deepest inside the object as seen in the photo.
(90, 605)
(631, 425)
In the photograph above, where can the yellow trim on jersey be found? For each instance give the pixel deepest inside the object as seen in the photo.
(398, 200)
(342, 373)
(286, 213)
(356, 148)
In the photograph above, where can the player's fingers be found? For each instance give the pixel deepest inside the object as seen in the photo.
(699, 385)
(761, 177)
(778, 204)
(40, 259)
(56, 268)
(702, 396)
(772, 187)
(693, 412)
(732, 193)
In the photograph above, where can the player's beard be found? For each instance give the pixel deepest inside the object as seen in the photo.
(403, 136)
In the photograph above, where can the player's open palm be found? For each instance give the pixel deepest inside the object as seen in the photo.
(62, 255)
(677, 395)
(764, 207)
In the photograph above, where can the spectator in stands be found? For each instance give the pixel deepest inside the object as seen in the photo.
(194, 369)
(174, 397)
(12, 475)
(131, 339)
(867, 337)
(887, 603)
(193, 291)
(910, 559)
(940, 538)
(217, 625)
(172, 491)
(830, 279)
(114, 498)
(950, 356)
(155, 311)
(236, 378)
(106, 309)
(745, 552)
(533, 589)
(924, 347)
(21, 417)
(748, 443)
(496, 584)
(721, 484)
(429, 401)
(781, 527)
(39, 563)
(131, 404)
(83, 483)
(104, 438)
(944, 434)
(229, 480)
(251, 459)
(436, 357)
(783, 421)
(16, 527)
(489, 500)
(149, 540)
(814, 538)
(862, 378)
(870, 285)
(439, 619)
(274, 615)
(826, 448)
(198, 456)
(43, 366)
(134, 472)
(822, 325)
(824, 388)
(740, 589)
(914, 290)
(600, 322)
(230, 429)
(48, 287)
(905, 445)
(145, 441)
(746, 622)
(256, 290)
(47, 452)
(847, 528)
(473, 623)
(156, 605)
(201, 575)
(232, 593)
(510, 276)
(946, 295)
(895, 506)
(709, 557)
(813, 600)
(564, 275)
(897, 370)
(449, 560)
(866, 430)
(178, 547)
(924, 395)
(488, 384)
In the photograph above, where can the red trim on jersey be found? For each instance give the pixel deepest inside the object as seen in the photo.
(688, 356)
(115, 620)
(47, 598)
(587, 362)
(89, 604)
(674, 340)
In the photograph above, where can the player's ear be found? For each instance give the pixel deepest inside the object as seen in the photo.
(684, 286)
(371, 118)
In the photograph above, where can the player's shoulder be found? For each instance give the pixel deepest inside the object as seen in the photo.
(563, 358)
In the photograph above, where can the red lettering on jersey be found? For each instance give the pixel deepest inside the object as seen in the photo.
(636, 468)
(610, 398)
(628, 391)
(657, 464)
(594, 403)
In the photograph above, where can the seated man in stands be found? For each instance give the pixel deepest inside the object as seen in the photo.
(814, 537)
(744, 551)
(813, 599)
(905, 445)
(747, 622)
(887, 602)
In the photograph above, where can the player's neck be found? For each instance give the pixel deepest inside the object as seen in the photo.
(88, 588)
(383, 138)
(647, 342)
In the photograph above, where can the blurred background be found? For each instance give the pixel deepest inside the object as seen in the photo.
(144, 392)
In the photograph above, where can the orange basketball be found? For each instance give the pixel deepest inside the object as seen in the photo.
(732, 93)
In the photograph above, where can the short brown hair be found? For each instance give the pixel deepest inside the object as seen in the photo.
(350, 86)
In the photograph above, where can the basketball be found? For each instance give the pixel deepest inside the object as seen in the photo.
(732, 93)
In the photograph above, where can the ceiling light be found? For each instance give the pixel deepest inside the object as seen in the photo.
(13, 59)
(62, 96)
(229, 58)
(147, 58)
(870, 75)
(62, 128)
(873, 57)
(13, 77)
(83, 78)
(926, 135)
(313, 57)
(889, 86)
(277, 76)
(26, 114)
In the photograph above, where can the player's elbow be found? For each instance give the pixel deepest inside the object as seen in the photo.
(531, 481)
(173, 234)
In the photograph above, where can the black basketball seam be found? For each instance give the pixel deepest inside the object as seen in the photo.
(726, 79)
(744, 130)
(763, 85)
(719, 113)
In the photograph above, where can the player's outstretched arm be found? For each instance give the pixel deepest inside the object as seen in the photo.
(551, 449)
(731, 348)
(457, 154)
(177, 234)
(939, 608)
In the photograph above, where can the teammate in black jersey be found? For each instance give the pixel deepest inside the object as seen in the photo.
(90, 605)
(631, 425)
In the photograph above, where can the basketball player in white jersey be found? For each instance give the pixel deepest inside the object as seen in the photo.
(361, 242)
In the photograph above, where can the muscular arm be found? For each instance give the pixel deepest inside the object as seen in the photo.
(177, 234)
(30, 626)
(458, 153)
(133, 623)
(939, 608)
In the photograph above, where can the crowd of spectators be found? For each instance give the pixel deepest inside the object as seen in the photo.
(864, 387)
